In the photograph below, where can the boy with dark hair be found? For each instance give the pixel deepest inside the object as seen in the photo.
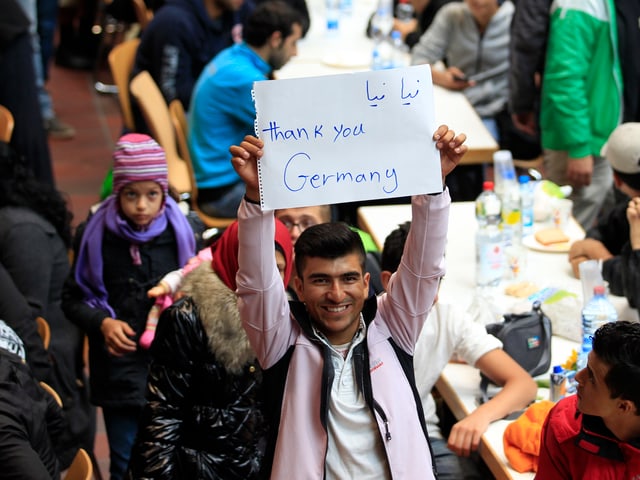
(450, 330)
(596, 433)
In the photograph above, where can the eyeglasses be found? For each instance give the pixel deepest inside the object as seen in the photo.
(302, 224)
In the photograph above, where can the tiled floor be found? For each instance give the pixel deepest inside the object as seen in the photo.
(81, 163)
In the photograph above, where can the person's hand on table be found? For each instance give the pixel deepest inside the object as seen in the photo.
(466, 434)
(587, 249)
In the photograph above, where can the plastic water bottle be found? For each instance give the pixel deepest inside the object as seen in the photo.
(404, 11)
(502, 164)
(595, 313)
(400, 54)
(382, 56)
(489, 239)
(526, 205)
(511, 213)
(332, 12)
(382, 21)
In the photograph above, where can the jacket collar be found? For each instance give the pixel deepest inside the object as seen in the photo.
(596, 438)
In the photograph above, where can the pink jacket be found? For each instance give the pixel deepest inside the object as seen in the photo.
(301, 443)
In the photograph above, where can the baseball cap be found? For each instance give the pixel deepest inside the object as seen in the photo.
(622, 150)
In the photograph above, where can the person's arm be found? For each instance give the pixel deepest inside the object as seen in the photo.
(432, 48)
(529, 30)
(262, 303)
(587, 249)
(412, 288)
(174, 63)
(630, 257)
(568, 61)
(518, 390)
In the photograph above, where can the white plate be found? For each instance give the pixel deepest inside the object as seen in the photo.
(347, 59)
(533, 244)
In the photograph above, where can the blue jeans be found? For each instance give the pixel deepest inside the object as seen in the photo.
(452, 467)
(122, 426)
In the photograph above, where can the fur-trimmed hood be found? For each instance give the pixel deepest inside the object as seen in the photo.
(218, 312)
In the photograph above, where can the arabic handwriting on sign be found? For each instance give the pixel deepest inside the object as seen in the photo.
(406, 93)
(405, 96)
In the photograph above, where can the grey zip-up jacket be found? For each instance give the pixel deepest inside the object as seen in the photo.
(454, 36)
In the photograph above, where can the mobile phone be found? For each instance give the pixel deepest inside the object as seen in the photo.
(460, 78)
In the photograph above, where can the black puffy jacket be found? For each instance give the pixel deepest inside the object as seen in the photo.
(203, 417)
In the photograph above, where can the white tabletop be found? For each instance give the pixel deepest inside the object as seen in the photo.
(459, 384)
(319, 54)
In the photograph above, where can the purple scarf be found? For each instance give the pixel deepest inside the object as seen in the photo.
(89, 264)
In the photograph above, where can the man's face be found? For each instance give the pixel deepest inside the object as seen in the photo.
(286, 49)
(482, 10)
(297, 220)
(334, 291)
(594, 397)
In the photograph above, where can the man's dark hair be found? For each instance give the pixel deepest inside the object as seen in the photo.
(393, 247)
(328, 240)
(267, 18)
(618, 345)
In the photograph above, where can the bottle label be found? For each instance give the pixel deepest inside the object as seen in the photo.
(490, 263)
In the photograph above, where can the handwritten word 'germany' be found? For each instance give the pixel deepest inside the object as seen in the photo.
(277, 133)
(297, 178)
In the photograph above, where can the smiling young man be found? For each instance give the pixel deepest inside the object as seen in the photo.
(596, 433)
(338, 363)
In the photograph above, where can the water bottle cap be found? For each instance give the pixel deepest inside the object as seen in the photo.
(487, 185)
(524, 178)
(598, 290)
(558, 369)
(396, 34)
(504, 155)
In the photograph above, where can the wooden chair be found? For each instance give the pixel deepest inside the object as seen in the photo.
(44, 331)
(179, 120)
(81, 468)
(156, 114)
(121, 60)
(6, 124)
(49, 389)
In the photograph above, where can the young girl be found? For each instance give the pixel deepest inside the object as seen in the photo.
(137, 235)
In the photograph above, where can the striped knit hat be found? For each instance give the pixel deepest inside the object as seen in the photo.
(139, 158)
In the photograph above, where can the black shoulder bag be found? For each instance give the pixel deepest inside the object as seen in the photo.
(526, 337)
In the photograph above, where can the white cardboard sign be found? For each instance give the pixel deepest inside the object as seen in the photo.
(350, 137)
